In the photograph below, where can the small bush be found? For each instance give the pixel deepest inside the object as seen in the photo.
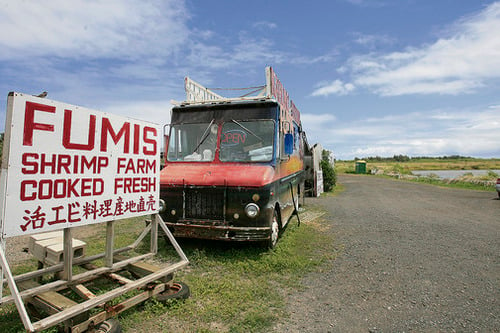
(329, 176)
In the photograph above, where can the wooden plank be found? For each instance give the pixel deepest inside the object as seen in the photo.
(118, 278)
(141, 236)
(83, 291)
(68, 256)
(16, 297)
(56, 301)
(173, 241)
(113, 276)
(110, 241)
(154, 235)
(52, 302)
(140, 268)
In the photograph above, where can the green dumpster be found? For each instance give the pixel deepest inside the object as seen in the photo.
(360, 166)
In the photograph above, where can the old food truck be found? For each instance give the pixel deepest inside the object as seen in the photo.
(234, 167)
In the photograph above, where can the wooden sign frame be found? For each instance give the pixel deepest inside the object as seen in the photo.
(19, 296)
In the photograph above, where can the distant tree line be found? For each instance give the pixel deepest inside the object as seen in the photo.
(406, 158)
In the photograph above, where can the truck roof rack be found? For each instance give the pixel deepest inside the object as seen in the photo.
(197, 94)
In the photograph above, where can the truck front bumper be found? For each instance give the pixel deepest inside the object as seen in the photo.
(218, 232)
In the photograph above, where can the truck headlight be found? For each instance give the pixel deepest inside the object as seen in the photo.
(252, 210)
(162, 206)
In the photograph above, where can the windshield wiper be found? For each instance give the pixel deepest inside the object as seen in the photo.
(204, 136)
(246, 129)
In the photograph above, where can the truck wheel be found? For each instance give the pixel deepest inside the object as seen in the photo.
(274, 232)
(178, 290)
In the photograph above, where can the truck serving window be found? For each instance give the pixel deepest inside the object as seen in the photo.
(247, 141)
(192, 142)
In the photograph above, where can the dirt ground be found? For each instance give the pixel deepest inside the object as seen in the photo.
(412, 258)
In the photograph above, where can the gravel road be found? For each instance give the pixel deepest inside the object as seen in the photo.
(412, 258)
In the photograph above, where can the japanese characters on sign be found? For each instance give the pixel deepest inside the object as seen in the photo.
(69, 166)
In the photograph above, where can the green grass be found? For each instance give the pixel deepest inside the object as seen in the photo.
(423, 164)
(234, 287)
(402, 169)
(453, 184)
(337, 189)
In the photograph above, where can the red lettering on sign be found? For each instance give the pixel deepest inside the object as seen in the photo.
(46, 189)
(140, 165)
(29, 121)
(149, 134)
(107, 128)
(67, 133)
(152, 149)
(137, 132)
(34, 163)
(135, 184)
(26, 185)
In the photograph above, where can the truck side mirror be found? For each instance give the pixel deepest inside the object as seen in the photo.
(165, 144)
(288, 144)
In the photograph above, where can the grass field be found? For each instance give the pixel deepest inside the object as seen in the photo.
(423, 164)
(403, 170)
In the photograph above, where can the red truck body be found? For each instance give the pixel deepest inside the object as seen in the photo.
(234, 167)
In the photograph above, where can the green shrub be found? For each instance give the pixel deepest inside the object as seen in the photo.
(329, 176)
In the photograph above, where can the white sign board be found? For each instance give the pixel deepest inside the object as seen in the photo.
(67, 166)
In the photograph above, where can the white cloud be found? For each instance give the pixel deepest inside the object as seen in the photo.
(265, 25)
(246, 51)
(372, 40)
(101, 28)
(250, 49)
(461, 62)
(336, 87)
(311, 60)
(367, 3)
(317, 122)
(154, 111)
(474, 132)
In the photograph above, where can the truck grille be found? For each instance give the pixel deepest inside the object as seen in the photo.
(204, 204)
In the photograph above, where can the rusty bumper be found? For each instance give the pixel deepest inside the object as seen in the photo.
(218, 232)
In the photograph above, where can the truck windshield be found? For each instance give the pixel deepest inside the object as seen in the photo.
(247, 141)
(192, 142)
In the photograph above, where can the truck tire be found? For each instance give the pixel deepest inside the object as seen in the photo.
(274, 232)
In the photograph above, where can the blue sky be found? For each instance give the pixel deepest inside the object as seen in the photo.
(370, 77)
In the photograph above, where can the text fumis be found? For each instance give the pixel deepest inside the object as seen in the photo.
(135, 139)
